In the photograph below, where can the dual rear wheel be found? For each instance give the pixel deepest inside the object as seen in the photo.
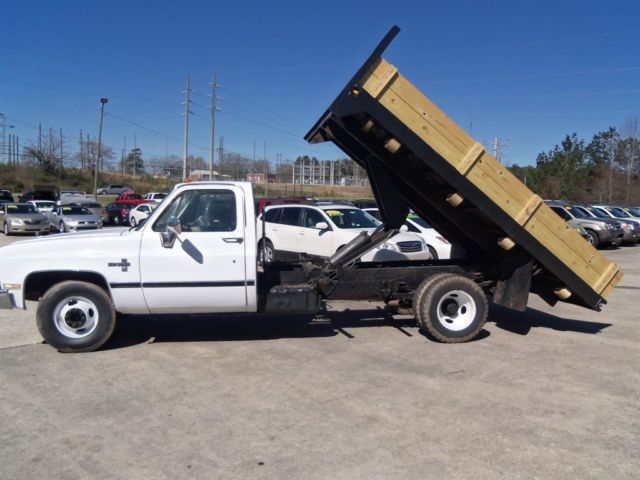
(450, 308)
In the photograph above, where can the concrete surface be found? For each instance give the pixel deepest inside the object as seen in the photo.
(553, 393)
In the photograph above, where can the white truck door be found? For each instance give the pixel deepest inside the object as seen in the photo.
(204, 269)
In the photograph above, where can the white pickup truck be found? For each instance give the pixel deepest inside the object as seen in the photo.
(197, 253)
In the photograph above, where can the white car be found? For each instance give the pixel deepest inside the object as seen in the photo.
(43, 206)
(141, 212)
(156, 196)
(438, 246)
(323, 230)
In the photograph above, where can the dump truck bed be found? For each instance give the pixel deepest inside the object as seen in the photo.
(416, 157)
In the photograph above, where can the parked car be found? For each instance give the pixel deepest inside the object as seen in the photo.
(579, 228)
(262, 203)
(600, 232)
(323, 230)
(22, 217)
(439, 247)
(6, 196)
(68, 218)
(119, 212)
(631, 226)
(156, 197)
(40, 193)
(141, 212)
(43, 206)
(72, 196)
(130, 197)
(113, 189)
(97, 209)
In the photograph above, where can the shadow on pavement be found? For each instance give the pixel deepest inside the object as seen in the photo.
(522, 322)
(136, 329)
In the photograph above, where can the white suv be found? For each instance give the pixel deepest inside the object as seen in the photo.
(323, 230)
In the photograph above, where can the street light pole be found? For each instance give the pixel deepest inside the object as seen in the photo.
(97, 162)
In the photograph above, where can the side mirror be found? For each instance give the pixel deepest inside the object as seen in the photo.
(173, 229)
(322, 226)
(404, 228)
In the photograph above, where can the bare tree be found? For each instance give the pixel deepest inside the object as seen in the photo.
(630, 153)
(87, 157)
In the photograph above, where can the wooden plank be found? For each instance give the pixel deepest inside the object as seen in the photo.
(529, 210)
(609, 288)
(381, 81)
(606, 277)
(472, 156)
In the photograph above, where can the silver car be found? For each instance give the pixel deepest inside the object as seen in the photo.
(22, 217)
(97, 209)
(67, 218)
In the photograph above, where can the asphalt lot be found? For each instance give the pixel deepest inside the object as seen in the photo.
(552, 393)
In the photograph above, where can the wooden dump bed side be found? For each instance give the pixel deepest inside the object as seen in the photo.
(413, 151)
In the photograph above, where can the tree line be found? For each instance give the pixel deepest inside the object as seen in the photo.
(604, 170)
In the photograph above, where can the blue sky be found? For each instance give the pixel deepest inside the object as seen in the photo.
(526, 72)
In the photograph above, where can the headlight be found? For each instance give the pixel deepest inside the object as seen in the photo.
(16, 221)
(627, 226)
(388, 246)
(71, 221)
(610, 226)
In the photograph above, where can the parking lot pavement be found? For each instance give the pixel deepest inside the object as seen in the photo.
(553, 393)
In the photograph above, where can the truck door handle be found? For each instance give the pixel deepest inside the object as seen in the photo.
(233, 239)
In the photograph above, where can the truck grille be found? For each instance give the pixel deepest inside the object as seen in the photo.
(408, 247)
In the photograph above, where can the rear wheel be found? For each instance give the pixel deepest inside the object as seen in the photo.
(592, 237)
(450, 308)
(76, 316)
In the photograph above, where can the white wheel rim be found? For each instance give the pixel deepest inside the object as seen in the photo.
(267, 254)
(456, 310)
(76, 317)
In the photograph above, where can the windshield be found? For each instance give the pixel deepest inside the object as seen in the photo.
(351, 218)
(599, 213)
(578, 213)
(21, 209)
(618, 212)
(75, 211)
(418, 220)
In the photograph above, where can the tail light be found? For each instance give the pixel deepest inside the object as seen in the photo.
(125, 212)
(104, 211)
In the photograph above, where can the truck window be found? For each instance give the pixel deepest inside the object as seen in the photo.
(201, 211)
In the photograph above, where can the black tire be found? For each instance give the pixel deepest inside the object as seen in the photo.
(6, 229)
(61, 321)
(117, 220)
(592, 238)
(263, 251)
(133, 222)
(450, 308)
(61, 227)
(432, 251)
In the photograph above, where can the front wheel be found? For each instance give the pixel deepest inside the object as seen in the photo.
(6, 229)
(62, 228)
(592, 237)
(133, 221)
(450, 308)
(76, 317)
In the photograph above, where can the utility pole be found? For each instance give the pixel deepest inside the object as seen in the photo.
(266, 169)
(135, 153)
(124, 155)
(221, 154)
(97, 162)
(61, 154)
(496, 148)
(186, 131)
(81, 152)
(39, 136)
(214, 108)
(254, 156)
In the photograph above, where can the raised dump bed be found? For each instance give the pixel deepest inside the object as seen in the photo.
(417, 157)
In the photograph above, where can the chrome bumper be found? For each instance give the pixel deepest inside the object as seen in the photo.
(6, 299)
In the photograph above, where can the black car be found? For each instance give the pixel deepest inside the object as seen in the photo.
(6, 196)
(39, 194)
(119, 212)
